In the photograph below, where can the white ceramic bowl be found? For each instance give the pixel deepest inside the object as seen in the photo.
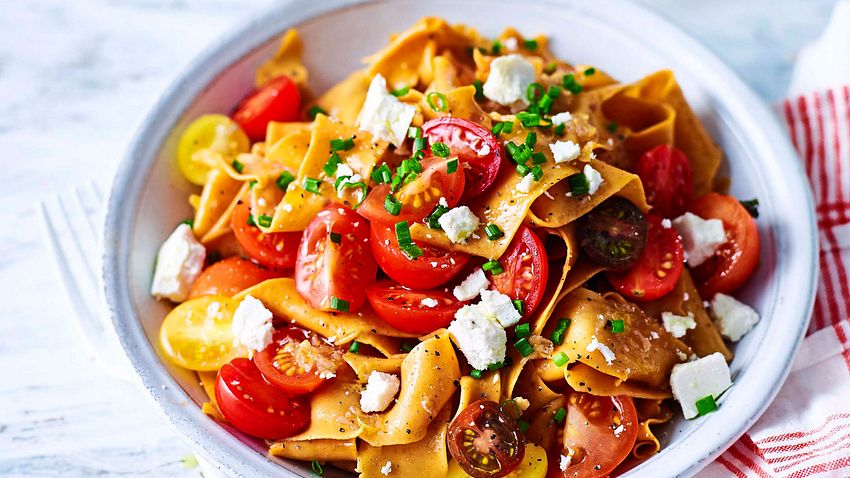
(149, 195)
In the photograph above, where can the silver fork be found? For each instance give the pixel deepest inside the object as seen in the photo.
(71, 223)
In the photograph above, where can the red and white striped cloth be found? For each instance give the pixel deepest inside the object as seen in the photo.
(806, 430)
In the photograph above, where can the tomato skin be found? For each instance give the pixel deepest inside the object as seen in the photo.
(736, 260)
(245, 397)
(526, 268)
(613, 234)
(277, 100)
(473, 145)
(268, 360)
(208, 131)
(420, 273)
(651, 277)
(402, 308)
(592, 433)
(419, 197)
(229, 277)
(667, 179)
(325, 269)
(276, 250)
(483, 429)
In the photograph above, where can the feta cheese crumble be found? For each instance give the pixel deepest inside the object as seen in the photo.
(561, 118)
(525, 185)
(471, 286)
(733, 318)
(606, 352)
(498, 306)
(666, 223)
(343, 170)
(380, 390)
(443, 202)
(383, 115)
(564, 151)
(480, 338)
(700, 237)
(387, 468)
(178, 264)
(564, 463)
(252, 324)
(459, 223)
(508, 81)
(594, 179)
(429, 302)
(698, 379)
(678, 325)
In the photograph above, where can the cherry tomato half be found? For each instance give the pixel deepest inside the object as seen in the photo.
(229, 277)
(277, 100)
(613, 234)
(736, 260)
(485, 441)
(327, 269)
(433, 268)
(667, 180)
(412, 311)
(256, 407)
(526, 270)
(216, 132)
(473, 145)
(296, 367)
(419, 197)
(599, 435)
(658, 268)
(276, 250)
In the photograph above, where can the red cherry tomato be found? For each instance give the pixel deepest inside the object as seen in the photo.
(419, 197)
(404, 308)
(473, 145)
(276, 250)
(485, 441)
(433, 268)
(736, 260)
(667, 180)
(281, 363)
(229, 277)
(256, 407)
(658, 268)
(599, 435)
(526, 270)
(343, 269)
(277, 100)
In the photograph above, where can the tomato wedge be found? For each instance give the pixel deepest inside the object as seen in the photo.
(328, 271)
(229, 277)
(736, 260)
(667, 180)
(473, 145)
(485, 441)
(419, 197)
(526, 270)
(599, 435)
(276, 250)
(658, 268)
(277, 100)
(433, 268)
(297, 361)
(414, 312)
(254, 406)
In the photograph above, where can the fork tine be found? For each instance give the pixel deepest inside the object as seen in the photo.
(96, 192)
(84, 209)
(86, 254)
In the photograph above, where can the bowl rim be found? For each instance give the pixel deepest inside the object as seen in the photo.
(224, 449)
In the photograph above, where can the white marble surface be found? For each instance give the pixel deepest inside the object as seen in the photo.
(76, 77)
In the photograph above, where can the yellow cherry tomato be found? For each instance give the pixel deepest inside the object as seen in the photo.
(533, 465)
(197, 333)
(214, 132)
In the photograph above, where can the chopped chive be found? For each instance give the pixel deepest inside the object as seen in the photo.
(545, 103)
(538, 158)
(264, 221)
(440, 150)
(382, 175)
(531, 139)
(495, 366)
(494, 267)
(537, 172)
(706, 405)
(358, 185)
(444, 102)
(238, 166)
(409, 166)
(519, 305)
(493, 232)
(336, 237)
(316, 467)
(512, 149)
(407, 346)
(251, 221)
(401, 91)
(339, 304)
(479, 90)
(559, 130)
(392, 205)
(578, 184)
(252, 183)
(497, 128)
(333, 163)
(550, 68)
(752, 207)
(524, 347)
(560, 415)
(523, 425)
(618, 326)
(554, 91)
(451, 166)
(590, 71)
(507, 126)
(522, 169)
(560, 331)
(395, 184)
(284, 179)
(476, 373)
(414, 132)
(533, 92)
(497, 47)
(522, 330)
(315, 110)
(342, 144)
(530, 44)
(189, 222)
(570, 84)
(405, 242)
(528, 119)
(561, 359)
(612, 126)
(434, 217)
(418, 144)
(312, 185)
(355, 347)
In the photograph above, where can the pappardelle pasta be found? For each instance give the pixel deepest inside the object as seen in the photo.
(468, 258)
